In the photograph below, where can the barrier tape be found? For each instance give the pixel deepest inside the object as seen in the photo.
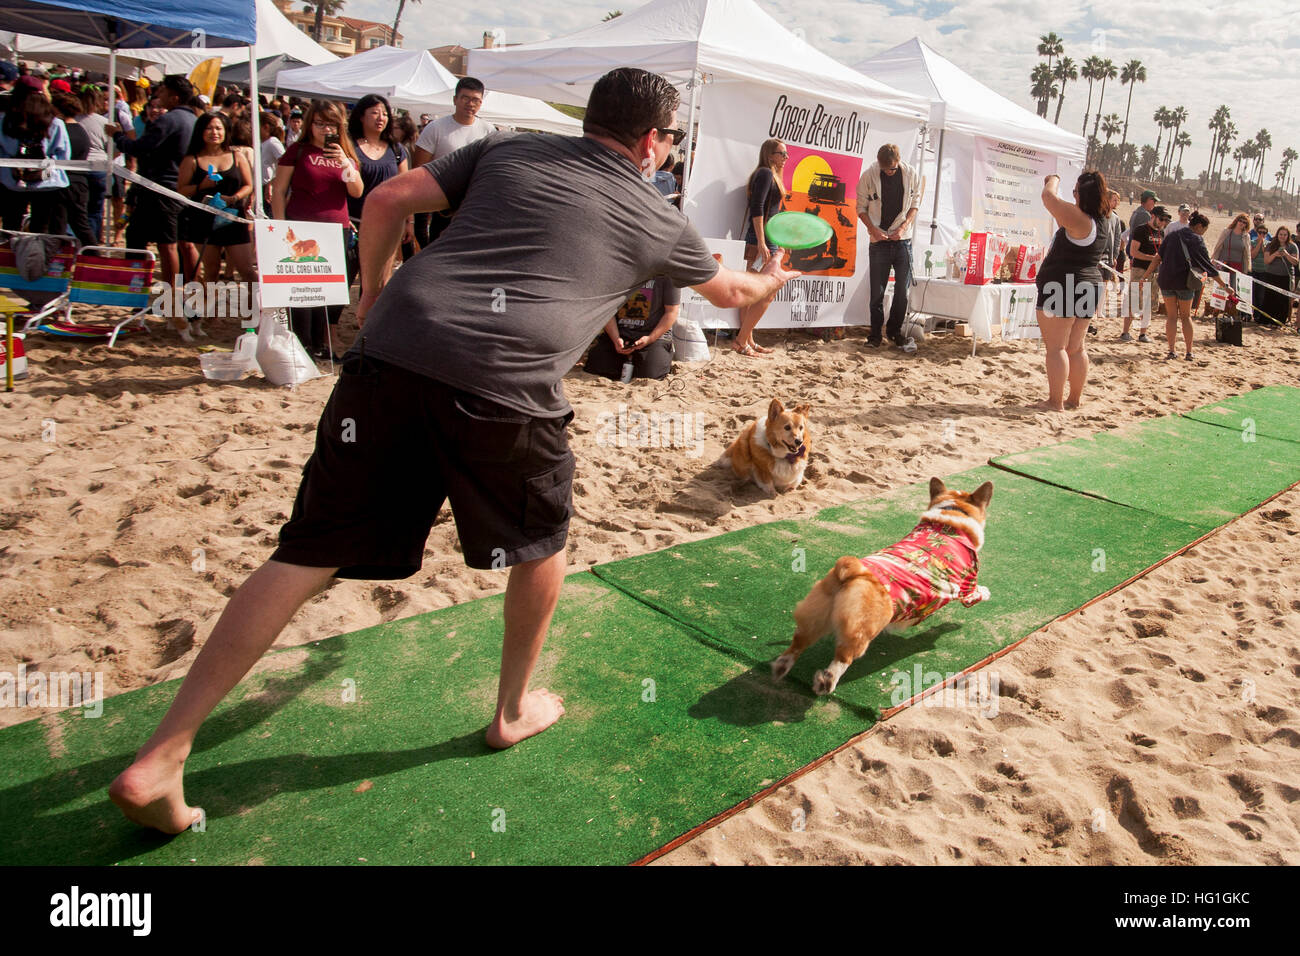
(85, 165)
(1246, 275)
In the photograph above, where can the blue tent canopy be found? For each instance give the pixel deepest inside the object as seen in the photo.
(135, 23)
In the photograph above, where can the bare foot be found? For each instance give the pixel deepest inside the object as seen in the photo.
(150, 793)
(1073, 404)
(541, 709)
(1045, 407)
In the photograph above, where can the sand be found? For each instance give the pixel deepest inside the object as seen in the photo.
(1124, 733)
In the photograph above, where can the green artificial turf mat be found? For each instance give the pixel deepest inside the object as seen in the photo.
(1183, 469)
(282, 765)
(1273, 412)
(1048, 551)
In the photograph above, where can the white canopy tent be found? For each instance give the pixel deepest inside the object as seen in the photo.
(745, 78)
(718, 41)
(962, 111)
(413, 80)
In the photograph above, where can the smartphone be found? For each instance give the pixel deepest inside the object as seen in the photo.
(331, 139)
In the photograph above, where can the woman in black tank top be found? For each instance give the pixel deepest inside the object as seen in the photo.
(1070, 285)
(210, 147)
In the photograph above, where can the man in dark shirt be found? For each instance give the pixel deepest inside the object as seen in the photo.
(159, 153)
(453, 391)
(889, 196)
(1144, 254)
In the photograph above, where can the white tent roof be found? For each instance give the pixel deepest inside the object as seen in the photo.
(413, 80)
(275, 35)
(730, 39)
(963, 104)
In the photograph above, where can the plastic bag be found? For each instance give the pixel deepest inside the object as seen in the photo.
(281, 356)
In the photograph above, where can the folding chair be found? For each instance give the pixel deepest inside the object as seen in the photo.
(105, 275)
(50, 288)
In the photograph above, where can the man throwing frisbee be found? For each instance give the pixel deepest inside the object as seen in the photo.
(452, 391)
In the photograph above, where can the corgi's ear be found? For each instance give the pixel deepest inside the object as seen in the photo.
(983, 495)
(937, 487)
(775, 409)
(803, 409)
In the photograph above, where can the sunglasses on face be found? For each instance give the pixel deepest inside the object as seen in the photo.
(677, 134)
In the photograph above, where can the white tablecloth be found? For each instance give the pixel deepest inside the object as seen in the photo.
(984, 307)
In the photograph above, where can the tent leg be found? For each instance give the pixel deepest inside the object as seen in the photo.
(938, 178)
(690, 135)
(106, 203)
(255, 120)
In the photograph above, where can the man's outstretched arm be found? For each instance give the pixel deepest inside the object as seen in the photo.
(383, 222)
(730, 289)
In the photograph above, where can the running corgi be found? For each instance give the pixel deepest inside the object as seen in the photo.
(900, 586)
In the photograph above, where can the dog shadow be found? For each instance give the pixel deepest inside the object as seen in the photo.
(754, 697)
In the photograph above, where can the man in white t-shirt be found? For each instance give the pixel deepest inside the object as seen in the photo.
(446, 135)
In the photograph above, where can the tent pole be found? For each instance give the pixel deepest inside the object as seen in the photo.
(938, 177)
(255, 120)
(106, 201)
(690, 135)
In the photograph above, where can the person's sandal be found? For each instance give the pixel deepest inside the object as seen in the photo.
(1169, 356)
(744, 350)
(1188, 356)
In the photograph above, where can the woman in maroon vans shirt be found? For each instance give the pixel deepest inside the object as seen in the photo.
(312, 184)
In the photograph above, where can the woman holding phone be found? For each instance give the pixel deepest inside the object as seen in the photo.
(313, 181)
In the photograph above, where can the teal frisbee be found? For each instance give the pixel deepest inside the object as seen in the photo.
(797, 230)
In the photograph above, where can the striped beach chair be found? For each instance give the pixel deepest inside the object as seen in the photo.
(105, 275)
(47, 294)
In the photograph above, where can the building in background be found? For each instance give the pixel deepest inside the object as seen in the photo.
(342, 36)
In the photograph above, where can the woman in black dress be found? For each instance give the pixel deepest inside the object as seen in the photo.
(763, 200)
(1070, 284)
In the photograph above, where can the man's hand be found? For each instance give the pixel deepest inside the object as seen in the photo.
(876, 234)
(773, 268)
(895, 235)
(640, 343)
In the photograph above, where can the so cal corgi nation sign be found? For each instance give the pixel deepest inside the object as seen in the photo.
(301, 264)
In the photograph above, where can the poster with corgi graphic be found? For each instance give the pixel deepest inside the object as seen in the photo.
(300, 264)
(829, 145)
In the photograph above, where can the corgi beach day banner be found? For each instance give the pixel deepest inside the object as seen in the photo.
(829, 145)
(302, 264)
(1008, 192)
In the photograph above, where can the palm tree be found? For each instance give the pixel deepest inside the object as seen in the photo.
(1176, 120)
(1108, 72)
(1132, 74)
(1043, 89)
(1161, 117)
(1065, 70)
(1264, 142)
(1128, 158)
(1150, 156)
(1091, 70)
(1217, 124)
(1225, 146)
(1110, 126)
(323, 9)
(1049, 46)
(1289, 156)
(401, 4)
(1182, 140)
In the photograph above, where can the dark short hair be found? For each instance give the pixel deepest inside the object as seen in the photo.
(234, 99)
(1199, 219)
(888, 153)
(626, 103)
(1093, 193)
(1160, 212)
(469, 83)
(179, 85)
(355, 127)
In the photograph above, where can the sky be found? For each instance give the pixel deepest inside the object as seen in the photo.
(1198, 54)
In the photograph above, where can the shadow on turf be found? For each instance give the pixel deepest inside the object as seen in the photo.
(754, 698)
(99, 834)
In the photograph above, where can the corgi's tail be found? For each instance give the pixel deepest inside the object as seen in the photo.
(848, 568)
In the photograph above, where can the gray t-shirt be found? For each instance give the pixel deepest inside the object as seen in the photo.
(551, 235)
(1139, 217)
